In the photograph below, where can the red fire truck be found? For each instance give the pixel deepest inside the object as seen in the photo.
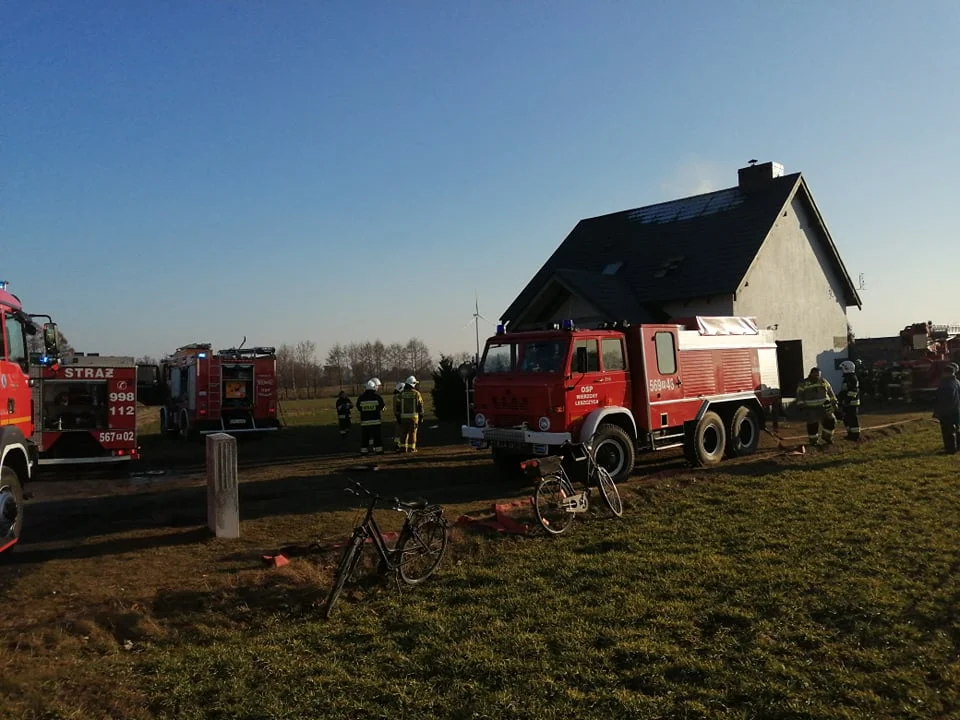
(704, 384)
(926, 350)
(85, 410)
(18, 453)
(201, 391)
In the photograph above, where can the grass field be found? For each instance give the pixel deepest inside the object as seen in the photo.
(817, 586)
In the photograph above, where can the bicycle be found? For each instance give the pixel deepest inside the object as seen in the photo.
(423, 538)
(555, 501)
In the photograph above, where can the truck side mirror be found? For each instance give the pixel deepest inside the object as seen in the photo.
(51, 340)
(581, 360)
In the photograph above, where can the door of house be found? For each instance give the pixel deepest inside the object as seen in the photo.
(790, 365)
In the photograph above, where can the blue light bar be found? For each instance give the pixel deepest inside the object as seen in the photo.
(568, 324)
(500, 329)
(4, 284)
(201, 355)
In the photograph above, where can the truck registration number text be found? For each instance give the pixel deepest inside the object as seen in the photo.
(116, 436)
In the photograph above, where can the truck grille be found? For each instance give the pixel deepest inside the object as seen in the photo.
(503, 435)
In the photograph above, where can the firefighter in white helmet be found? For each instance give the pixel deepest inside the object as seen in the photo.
(371, 405)
(849, 398)
(815, 399)
(409, 408)
(396, 414)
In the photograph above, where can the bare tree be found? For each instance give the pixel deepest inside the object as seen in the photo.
(354, 352)
(418, 357)
(378, 354)
(394, 355)
(336, 362)
(286, 376)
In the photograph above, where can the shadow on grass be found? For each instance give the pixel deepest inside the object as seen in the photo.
(66, 521)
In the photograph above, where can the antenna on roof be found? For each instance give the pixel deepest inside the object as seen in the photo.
(752, 162)
(861, 285)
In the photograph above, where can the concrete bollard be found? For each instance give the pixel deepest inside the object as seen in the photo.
(223, 490)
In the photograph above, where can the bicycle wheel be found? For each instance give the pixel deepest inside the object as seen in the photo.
(348, 561)
(547, 503)
(421, 549)
(608, 489)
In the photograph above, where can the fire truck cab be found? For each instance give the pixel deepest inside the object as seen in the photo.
(19, 455)
(703, 384)
(202, 391)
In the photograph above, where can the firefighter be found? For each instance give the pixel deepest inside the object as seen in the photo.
(849, 397)
(371, 405)
(894, 382)
(906, 383)
(816, 400)
(344, 406)
(947, 409)
(865, 378)
(396, 414)
(410, 407)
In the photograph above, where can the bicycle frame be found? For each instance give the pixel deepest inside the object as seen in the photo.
(369, 528)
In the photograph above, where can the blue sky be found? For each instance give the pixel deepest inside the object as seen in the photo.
(338, 171)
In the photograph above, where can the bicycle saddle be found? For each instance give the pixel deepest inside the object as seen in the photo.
(419, 504)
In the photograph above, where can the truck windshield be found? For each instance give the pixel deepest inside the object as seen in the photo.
(544, 356)
(499, 358)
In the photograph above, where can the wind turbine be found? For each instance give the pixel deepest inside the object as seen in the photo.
(477, 317)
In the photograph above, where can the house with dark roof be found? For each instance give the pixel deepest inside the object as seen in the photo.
(758, 249)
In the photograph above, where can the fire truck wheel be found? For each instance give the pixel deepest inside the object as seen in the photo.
(184, 425)
(11, 505)
(614, 451)
(165, 428)
(743, 434)
(709, 440)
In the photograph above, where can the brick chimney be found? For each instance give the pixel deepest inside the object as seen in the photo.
(757, 177)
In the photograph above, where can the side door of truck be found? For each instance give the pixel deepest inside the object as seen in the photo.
(662, 369)
(614, 380)
(586, 373)
(16, 403)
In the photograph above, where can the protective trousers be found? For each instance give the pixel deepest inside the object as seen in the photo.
(950, 430)
(408, 435)
(829, 423)
(371, 434)
(851, 419)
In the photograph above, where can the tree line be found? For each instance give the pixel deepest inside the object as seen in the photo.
(348, 366)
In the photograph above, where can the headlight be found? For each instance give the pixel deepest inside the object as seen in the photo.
(544, 424)
(479, 420)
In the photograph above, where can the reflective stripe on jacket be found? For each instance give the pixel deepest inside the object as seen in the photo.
(370, 405)
(849, 395)
(815, 393)
(411, 404)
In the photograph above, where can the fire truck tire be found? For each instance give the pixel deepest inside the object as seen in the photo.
(185, 429)
(11, 507)
(743, 433)
(709, 441)
(614, 451)
(166, 428)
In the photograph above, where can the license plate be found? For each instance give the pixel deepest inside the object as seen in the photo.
(238, 421)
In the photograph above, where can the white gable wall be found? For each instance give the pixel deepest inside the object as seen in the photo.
(793, 285)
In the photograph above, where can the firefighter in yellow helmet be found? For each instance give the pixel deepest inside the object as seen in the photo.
(815, 399)
(371, 405)
(409, 409)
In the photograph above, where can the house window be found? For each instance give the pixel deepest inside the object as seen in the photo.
(612, 351)
(593, 354)
(666, 353)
